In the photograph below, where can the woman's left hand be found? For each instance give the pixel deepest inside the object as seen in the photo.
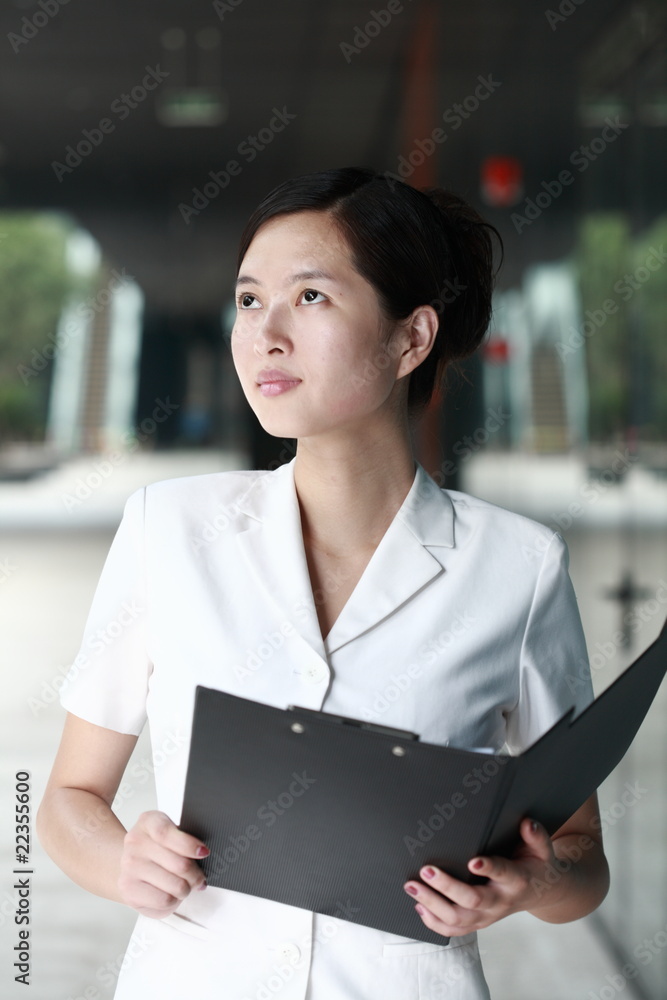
(454, 908)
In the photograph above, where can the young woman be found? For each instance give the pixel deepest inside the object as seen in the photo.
(364, 569)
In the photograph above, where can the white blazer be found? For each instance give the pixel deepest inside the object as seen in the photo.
(463, 628)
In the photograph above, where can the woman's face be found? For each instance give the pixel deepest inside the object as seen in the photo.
(308, 343)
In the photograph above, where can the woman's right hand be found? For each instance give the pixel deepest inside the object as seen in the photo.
(157, 867)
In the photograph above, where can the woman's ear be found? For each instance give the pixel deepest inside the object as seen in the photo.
(419, 332)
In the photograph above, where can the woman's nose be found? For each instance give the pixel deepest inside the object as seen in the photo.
(272, 332)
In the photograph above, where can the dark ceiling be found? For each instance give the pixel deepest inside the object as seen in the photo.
(263, 55)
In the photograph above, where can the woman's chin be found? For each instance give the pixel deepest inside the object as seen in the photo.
(280, 429)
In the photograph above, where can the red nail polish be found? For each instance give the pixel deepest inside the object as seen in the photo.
(202, 852)
(428, 872)
(420, 909)
(477, 864)
(411, 889)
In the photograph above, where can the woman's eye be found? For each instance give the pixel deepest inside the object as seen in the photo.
(312, 291)
(246, 301)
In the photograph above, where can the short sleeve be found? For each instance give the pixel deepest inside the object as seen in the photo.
(554, 669)
(107, 684)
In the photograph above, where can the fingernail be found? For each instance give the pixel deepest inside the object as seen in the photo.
(420, 909)
(411, 889)
(428, 872)
(477, 864)
(535, 826)
(202, 886)
(202, 852)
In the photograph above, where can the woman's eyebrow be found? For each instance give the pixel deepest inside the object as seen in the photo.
(317, 273)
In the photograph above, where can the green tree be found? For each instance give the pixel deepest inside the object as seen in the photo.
(34, 282)
(626, 355)
(601, 261)
(649, 272)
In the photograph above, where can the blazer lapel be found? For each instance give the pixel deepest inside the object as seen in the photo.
(402, 564)
(273, 548)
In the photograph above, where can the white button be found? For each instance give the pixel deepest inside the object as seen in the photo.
(288, 952)
(315, 673)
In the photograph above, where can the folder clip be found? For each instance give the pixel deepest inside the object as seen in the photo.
(372, 727)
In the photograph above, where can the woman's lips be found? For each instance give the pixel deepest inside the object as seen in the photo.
(275, 388)
(274, 381)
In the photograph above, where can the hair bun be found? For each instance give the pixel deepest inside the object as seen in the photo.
(468, 237)
(461, 216)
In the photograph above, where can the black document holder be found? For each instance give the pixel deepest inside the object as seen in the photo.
(358, 809)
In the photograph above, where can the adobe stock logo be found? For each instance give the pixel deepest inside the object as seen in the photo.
(30, 26)
(580, 158)
(249, 148)
(378, 20)
(223, 857)
(121, 107)
(443, 812)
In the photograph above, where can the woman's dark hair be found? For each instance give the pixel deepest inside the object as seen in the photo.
(414, 247)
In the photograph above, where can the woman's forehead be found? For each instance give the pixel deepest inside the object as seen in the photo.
(308, 242)
(306, 228)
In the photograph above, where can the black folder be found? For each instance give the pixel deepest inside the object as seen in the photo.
(333, 815)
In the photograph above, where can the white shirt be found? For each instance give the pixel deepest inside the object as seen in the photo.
(463, 628)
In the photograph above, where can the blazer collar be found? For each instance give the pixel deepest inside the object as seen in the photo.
(401, 565)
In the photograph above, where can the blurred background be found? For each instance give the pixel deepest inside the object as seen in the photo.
(135, 141)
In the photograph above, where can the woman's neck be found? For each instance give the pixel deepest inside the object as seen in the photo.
(349, 490)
